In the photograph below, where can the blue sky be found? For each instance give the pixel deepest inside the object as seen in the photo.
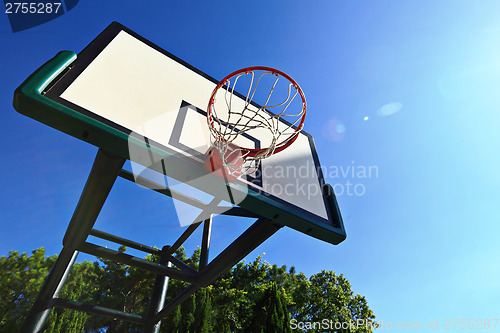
(409, 88)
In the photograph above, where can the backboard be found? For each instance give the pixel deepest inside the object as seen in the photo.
(126, 95)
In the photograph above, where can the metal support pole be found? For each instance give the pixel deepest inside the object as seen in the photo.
(98, 310)
(123, 258)
(104, 172)
(185, 235)
(207, 211)
(205, 242)
(258, 232)
(181, 297)
(158, 295)
(100, 181)
(40, 311)
(125, 242)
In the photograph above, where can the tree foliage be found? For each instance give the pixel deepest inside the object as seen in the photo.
(251, 297)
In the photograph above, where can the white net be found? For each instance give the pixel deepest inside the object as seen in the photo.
(245, 132)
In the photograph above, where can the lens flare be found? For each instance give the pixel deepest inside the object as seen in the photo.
(334, 130)
(389, 109)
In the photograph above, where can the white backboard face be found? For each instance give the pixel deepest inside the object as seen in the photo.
(130, 84)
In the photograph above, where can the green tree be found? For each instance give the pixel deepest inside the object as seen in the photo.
(188, 309)
(203, 314)
(21, 277)
(67, 321)
(173, 324)
(123, 288)
(253, 297)
(270, 313)
(331, 297)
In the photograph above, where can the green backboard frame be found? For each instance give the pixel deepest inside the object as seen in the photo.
(30, 100)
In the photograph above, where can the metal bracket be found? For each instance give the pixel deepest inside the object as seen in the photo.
(107, 167)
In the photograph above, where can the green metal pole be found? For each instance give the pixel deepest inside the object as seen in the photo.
(158, 295)
(100, 181)
(176, 301)
(98, 310)
(188, 275)
(255, 235)
(40, 311)
(205, 242)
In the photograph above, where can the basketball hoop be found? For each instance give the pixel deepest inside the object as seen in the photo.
(271, 126)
